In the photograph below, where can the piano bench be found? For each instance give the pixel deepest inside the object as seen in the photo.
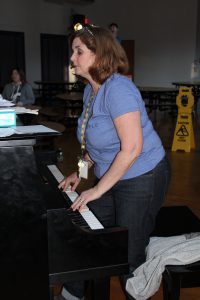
(171, 221)
(177, 277)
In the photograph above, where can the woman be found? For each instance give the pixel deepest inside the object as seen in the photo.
(118, 139)
(18, 90)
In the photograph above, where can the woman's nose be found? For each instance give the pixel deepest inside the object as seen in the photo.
(71, 62)
(72, 58)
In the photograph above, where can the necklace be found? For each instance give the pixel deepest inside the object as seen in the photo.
(84, 123)
(82, 164)
(15, 90)
(86, 119)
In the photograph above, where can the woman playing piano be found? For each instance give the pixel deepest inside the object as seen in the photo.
(118, 140)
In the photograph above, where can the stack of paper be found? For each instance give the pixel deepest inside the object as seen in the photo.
(5, 103)
(23, 110)
(18, 109)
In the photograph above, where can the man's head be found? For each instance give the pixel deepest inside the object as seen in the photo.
(114, 29)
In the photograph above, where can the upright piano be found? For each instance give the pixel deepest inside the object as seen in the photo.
(43, 243)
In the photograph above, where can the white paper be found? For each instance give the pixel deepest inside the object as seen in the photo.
(5, 103)
(4, 132)
(23, 110)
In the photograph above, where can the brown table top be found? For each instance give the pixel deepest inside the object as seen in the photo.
(40, 82)
(156, 89)
(186, 83)
(73, 96)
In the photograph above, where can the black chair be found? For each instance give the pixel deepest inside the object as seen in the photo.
(177, 277)
(171, 221)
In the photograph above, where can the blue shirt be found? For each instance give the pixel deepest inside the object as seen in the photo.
(117, 96)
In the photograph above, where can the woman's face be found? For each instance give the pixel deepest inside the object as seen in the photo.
(15, 77)
(82, 58)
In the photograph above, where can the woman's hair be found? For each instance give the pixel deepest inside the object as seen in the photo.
(21, 74)
(110, 56)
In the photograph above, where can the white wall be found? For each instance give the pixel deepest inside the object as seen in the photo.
(164, 32)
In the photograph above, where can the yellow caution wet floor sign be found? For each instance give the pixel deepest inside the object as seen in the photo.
(182, 131)
(184, 134)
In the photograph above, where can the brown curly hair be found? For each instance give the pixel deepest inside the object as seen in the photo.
(110, 55)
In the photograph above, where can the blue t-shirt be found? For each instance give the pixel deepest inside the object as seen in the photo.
(117, 96)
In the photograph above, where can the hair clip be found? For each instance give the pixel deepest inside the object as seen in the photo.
(79, 26)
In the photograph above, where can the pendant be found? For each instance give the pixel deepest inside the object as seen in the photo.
(83, 168)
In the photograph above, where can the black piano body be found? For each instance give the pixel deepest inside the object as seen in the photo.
(40, 244)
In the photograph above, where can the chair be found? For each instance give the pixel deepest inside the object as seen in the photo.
(171, 221)
(177, 277)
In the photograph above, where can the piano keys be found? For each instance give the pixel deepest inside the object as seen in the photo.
(91, 220)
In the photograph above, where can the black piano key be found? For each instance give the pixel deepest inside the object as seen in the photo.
(77, 218)
(68, 201)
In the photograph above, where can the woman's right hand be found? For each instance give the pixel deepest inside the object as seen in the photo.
(72, 180)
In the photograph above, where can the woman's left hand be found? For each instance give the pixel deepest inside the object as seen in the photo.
(19, 103)
(85, 197)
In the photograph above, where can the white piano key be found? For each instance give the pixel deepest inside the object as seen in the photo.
(72, 195)
(86, 213)
(58, 175)
(91, 220)
(56, 172)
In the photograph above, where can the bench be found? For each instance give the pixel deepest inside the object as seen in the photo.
(171, 221)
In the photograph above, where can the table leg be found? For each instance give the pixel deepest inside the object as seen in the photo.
(99, 289)
(51, 293)
(171, 286)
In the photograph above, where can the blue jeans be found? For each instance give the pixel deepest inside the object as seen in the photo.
(134, 203)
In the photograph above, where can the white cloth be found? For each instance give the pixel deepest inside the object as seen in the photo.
(162, 251)
(68, 296)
